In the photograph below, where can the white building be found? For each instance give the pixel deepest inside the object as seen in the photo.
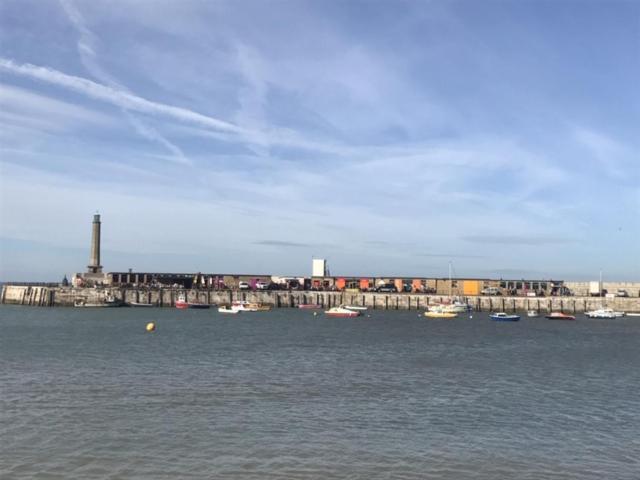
(319, 267)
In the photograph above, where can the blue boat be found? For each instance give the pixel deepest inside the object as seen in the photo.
(503, 317)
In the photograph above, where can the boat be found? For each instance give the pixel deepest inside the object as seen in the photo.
(139, 304)
(244, 306)
(440, 314)
(341, 312)
(632, 314)
(503, 317)
(355, 308)
(533, 314)
(455, 307)
(182, 303)
(200, 306)
(226, 309)
(309, 306)
(109, 302)
(601, 313)
(559, 316)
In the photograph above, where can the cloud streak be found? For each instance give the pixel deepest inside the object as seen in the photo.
(508, 239)
(115, 96)
(283, 244)
(87, 46)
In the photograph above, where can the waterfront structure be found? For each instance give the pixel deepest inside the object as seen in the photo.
(94, 262)
(94, 274)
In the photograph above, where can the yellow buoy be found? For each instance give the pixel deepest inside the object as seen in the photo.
(151, 327)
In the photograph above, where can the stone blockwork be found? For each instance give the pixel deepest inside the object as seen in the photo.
(581, 289)
(61, 296)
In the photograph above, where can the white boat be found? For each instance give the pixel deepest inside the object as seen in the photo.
(230, 310)
(601, 313)
(504, 317)
(341, 312)
(140, 304)
(455, 307)
(533, 314)
(633, 314)
(109, 301)
(355, 308)
(244, 306)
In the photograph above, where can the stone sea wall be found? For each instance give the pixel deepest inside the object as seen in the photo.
(66, 297)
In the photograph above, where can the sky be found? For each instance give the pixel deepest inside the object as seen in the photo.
(389, 137)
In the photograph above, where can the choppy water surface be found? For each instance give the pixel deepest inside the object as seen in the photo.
(88, 394)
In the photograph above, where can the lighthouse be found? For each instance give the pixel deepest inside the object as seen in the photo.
(94, 261)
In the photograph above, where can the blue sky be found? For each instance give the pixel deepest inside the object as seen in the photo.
(389, 137)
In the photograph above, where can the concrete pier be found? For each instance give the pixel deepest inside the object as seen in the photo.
(166, 297)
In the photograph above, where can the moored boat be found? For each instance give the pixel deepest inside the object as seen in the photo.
(108, 302)
(559, 316)
(225, 309)
(355, 308)
(199, 306)
(244, 306)
(182, 303)
(533, 314)
(504, 317)
(455, 307)
(440, 314)
(139, 304)
(601, 313)
(341, 312)
(309, 306)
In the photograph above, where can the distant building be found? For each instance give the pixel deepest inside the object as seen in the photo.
(319, 268)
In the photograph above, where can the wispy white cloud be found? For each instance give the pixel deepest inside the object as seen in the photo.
(87, 46)
(114, 96)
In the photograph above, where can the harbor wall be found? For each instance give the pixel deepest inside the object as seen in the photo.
(67, 296)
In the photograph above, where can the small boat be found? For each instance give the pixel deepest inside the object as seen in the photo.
(503, 317)
(533, 314)
(244, 306)
(355, 308)
(199, 306)
(309, 306)
(182, 303)
(340, 312)
(559, 316)
(230, 310)
(633, 314)
(108, 302)
(455, 307)
(139, 304)
(601, 313)
(439, 314)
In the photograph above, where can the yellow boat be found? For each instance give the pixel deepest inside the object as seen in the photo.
(440, 314)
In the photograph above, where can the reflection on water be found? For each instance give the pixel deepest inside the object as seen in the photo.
(88, 394)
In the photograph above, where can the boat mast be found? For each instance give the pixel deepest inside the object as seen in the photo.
(450, 281)
(600, 290)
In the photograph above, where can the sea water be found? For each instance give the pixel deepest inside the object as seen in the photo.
(89, 394)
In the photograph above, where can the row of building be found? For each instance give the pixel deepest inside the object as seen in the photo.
(320, 280)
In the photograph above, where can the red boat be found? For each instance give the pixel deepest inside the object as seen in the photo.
(340, 312)
(560, 316)
(181, 302)
(308, 306)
